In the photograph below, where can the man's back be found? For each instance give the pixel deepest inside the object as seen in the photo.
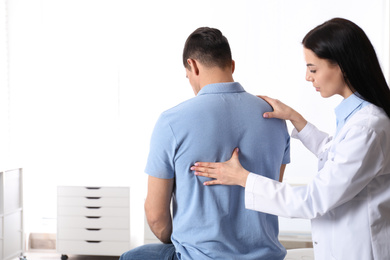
(212, 222)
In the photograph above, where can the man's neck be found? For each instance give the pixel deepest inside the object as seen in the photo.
(216, 76)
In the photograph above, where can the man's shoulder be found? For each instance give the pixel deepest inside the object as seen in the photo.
(180, 108)
(201, 104)
(256, 99)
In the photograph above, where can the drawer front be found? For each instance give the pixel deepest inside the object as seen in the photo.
(12, 240)
(92, 247)
(93, 211)
(72, 191)
(12, 190)
(93, 222)
(96, 234)
(93, 201)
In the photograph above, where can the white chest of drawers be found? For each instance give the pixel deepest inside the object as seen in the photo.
(11, 214)
(93, 220)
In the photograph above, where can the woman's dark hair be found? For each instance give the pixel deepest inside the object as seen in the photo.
(208, 46)
(342, 42)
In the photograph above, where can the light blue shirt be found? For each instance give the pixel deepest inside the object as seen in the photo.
(347, 108)
(211, 222)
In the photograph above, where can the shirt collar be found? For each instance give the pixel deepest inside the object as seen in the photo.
(225, 87)
(348, 106)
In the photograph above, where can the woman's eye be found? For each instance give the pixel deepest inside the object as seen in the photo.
(313, 71)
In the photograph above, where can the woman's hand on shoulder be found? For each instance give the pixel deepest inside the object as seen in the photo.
(282, 111)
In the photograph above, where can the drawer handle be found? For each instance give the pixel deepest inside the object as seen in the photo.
(93, 229)
(93, 198)
(93, 207)
(93, 241)
(92, 188)
(92, 217)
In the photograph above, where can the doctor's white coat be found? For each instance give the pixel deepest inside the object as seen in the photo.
(349, 198)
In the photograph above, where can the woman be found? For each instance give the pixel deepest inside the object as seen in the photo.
(349, 198)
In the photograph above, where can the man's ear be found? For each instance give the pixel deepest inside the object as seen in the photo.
(194, 66)
(233, 66)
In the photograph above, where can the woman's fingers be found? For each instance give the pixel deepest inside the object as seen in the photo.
(273, 103)
(267, 99)
(206, 164)
(205, 173)
(199, 167)
(224, 173)
(281, 110)
(235, 155)
(213, 182)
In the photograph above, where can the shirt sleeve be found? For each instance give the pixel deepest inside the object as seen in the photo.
(162, 151)
(354, 163)
(312, 138)
(286, 157)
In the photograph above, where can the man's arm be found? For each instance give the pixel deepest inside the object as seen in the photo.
(282, 168)
(157, 207)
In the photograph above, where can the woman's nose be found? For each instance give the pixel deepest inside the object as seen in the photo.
(309, 78)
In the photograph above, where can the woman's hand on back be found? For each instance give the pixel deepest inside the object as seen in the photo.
(225, 173)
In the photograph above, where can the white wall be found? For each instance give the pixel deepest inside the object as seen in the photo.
(4, 88)
(89, 78)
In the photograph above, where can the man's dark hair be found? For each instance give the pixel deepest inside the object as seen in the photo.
(209, 47)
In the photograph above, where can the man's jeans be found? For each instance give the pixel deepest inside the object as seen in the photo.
(151, 252)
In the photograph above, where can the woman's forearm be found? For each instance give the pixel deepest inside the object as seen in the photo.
(298, 121)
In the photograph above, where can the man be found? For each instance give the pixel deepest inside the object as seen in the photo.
(211, 222)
